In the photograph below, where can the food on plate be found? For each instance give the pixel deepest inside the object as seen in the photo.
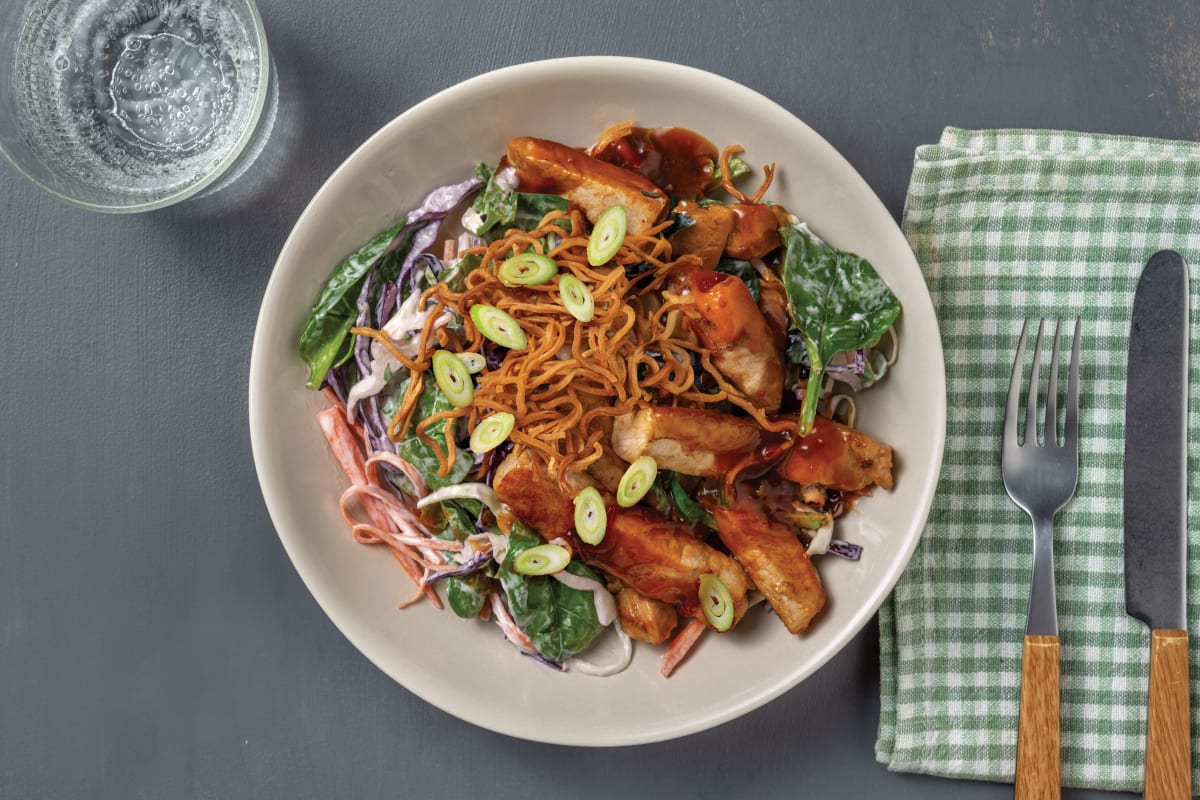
(604, 388)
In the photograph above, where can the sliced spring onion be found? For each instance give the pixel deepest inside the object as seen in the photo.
(591, 520)
(636, 481)
(542, 560)
(527, 269)
(577, 297)
(498, 327)
(453, 378)
(491, 431)
(607, 236)
(474, 361)
(716, 602)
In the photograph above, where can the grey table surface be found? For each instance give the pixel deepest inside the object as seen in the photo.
(155, 642)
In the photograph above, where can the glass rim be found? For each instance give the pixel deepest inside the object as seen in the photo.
(262, 90)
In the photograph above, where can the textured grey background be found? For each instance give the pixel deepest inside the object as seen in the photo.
(154, 640)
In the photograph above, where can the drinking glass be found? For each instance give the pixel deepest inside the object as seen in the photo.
(132, 105)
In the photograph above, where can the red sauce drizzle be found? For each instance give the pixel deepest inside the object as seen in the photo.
(677, 160)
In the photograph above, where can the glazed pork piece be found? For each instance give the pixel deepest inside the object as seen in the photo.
(644, 618)
(694, 441)
(744, 347)
(706, 237)
(524, 483)
(662, 560)
(591, 184)
(776, 560)
(742, 230)
(838, 457)
(755, 230)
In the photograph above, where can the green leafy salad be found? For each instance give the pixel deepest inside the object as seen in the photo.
(603, 389)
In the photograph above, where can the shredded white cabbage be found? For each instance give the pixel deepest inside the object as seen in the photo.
(407, 320)
(820, 541)
(465, 491)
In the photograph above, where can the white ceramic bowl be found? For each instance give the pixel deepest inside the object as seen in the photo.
(466, 668)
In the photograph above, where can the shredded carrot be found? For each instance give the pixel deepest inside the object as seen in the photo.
(349, 455)
(681, 645)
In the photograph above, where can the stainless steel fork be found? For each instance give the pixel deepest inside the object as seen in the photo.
(1040, 477)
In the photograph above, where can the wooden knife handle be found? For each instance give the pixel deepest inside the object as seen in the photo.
(1039, 775)
(1168, 724)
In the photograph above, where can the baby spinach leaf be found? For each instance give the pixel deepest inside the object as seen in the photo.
(837, 302)
(496, 206)
(684, 501)
(326, 341)
(467, 594)
(455, 276)
(501, 209)
(460, 517)
(532, 207)
(415, 451)
(737, 168)
(559, 620)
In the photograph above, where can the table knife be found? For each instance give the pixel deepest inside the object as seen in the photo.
(1156, 512)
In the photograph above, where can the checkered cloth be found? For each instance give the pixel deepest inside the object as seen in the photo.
(1006, 225)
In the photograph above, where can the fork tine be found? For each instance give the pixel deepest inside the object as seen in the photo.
(1051, 420)
(1071, 435)
(1014, 390)
(1031, 403)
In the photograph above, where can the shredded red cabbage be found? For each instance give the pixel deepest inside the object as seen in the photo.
(554, 665)
(387, 303)
(474, 564)
(425, 220)
(859, 366)
(840, 547)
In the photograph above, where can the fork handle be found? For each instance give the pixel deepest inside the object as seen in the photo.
(1039, 774)
(1168, 723)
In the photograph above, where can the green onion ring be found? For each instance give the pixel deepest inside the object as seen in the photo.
(608, 235)
(491, 431)
(542, 560)
(498, 326)
(577, 298)
(453, 378)
(716, 602)
(591, 519)
(637, 481)
(474, 361)
(527, 269)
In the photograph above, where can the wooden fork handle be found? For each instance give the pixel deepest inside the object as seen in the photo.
(1039, 772)
(1168, 724)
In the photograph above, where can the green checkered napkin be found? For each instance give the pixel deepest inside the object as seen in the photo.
(1006, 225)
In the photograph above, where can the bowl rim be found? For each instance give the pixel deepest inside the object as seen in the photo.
(873, 599)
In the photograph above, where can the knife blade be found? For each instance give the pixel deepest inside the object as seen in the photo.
(1155, 512)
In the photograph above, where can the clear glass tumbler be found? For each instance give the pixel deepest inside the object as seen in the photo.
(132, 105)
